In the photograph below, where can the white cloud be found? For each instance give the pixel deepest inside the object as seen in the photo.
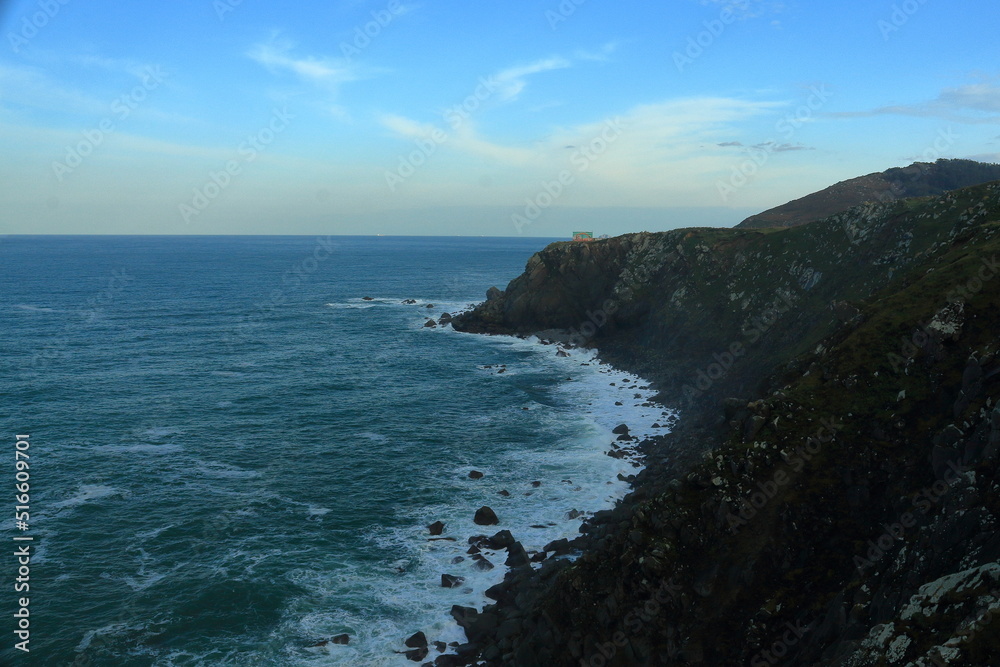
(405, 127)
(748, 9)
(975, 103)
(659, 156)
(276, 55)
(512, 81)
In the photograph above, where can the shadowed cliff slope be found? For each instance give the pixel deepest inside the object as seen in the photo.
(831, 496)
(918, 180)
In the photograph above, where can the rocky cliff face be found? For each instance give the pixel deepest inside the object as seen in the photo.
(831, 496)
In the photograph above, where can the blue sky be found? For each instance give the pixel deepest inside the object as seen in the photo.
(513, 118)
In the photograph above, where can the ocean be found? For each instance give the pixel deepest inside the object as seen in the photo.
(237, 444)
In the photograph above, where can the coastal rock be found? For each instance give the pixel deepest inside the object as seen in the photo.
(451, 581)
(558, 547)
(430, 323)
(417, 654)
(475, 474)
(516, 555)
(436, 528)
(464, 616)
(481, 562)
(501, 540)
(341, 639)
(408, 302)
(444, 319)
(416, 640)
(485, 516)
(621, 429)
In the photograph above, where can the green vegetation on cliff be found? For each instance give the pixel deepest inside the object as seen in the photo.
(920, 179)
(831, 495)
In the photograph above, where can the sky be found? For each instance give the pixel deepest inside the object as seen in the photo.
(512, 118)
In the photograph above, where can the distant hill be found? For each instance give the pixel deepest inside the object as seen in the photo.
(920, 179)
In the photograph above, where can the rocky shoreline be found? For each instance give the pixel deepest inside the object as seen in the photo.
(831, 494)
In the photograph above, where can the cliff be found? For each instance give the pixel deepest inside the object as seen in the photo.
(831, 495)
(920, 179)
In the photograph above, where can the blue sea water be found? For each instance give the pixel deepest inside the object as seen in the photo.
(234, 455)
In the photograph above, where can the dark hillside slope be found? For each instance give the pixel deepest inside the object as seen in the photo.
(844, 509)
(920, 179)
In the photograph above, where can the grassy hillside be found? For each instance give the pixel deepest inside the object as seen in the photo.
(917, 180)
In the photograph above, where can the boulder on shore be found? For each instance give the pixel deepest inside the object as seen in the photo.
(436, 528)
(485, 516)
(416, 640)
(501, 540)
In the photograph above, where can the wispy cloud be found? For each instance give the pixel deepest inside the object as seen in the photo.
(276, 55)
(512, 81)
(975, 103)
(748, 9)
(406, 127)
(775, 147)
(30, 87)
(124, 65)
(464, 139)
